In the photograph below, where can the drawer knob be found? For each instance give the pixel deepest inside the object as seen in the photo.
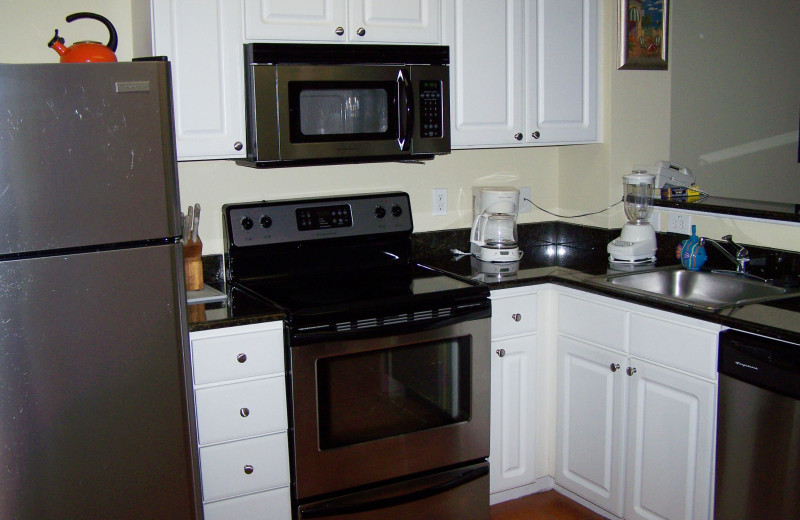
(536, 135)
(631, 371)
(518, 136)
(241, 358)
(501, 352)
(248, 469)
(361, 31)
(516, 317)
(244, 412)
(339, 31)
(238, 146)
(614, 367)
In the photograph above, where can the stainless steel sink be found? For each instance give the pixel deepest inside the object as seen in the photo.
(696, 288)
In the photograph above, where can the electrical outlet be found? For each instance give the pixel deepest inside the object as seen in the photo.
(439, 201)
(524, 205)
(678, 223)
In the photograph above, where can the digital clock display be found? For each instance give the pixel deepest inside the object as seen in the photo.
(324, 217)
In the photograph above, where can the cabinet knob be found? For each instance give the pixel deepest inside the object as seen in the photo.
(614, 367)
(241, 358)
(238, 146)
(248, 469)
(244, 412)
(501, 352)
(536, 135)
(339, 31)
(516, 317)
(518, 136)
(631, 371)
(361, 31)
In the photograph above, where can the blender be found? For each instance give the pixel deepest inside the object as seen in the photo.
(494, 231)
(637, 243)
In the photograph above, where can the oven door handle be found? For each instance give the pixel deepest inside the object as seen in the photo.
(331, 509)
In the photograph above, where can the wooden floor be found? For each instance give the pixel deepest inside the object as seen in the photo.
(549, 505)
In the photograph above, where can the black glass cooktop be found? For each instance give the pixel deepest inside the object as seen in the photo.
(361, 290)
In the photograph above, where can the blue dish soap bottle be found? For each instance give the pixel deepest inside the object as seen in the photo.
(692, 252)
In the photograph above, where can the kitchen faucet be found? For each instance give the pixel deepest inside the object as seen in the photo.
(742, 254)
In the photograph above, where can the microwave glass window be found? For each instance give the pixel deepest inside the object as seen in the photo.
(344, 112)
(382, 393)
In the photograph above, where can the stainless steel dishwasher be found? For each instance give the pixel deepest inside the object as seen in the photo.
(758, 429)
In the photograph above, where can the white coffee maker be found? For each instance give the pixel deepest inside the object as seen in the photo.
(494, 228)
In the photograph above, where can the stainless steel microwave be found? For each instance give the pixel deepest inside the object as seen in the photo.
(319, 103)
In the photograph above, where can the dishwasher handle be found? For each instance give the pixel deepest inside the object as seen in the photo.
(767, 363)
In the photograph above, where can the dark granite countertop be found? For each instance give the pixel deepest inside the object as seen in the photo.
(562, 254)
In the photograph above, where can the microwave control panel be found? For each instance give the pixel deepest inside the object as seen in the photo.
(430, 103)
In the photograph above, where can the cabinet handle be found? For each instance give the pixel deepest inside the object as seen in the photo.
(248, 469)
(536, 135)
(244, 412)
(339, 31)
(501, 352)
(631, 371)
(241, 358)
(518, 136)
(516, 317)
(614, 367)
(361, 31)
(238, 146)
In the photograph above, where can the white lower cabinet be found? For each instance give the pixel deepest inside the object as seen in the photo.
(240, 403)
(635, 424)
(514, 362)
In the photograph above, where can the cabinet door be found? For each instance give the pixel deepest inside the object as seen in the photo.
(409, 21)
(203, 40)
(295, 20)
(669, 444)
(562, 46)
(486, 72)
(589, 422)
(512, 448)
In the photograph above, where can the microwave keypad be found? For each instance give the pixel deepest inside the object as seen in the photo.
(430, 102)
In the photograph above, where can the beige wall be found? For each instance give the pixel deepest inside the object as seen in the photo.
(568, 179)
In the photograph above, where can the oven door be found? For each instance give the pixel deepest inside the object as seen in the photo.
(368, 410)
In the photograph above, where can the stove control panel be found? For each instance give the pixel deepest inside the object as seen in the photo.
(297, 220)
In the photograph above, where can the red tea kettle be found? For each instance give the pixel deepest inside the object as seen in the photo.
(86, 51)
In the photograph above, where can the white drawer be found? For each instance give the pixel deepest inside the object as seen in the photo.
(241, 467)
(269, 505)
(237, 355)
(674, 344)
(514, 315)
(240, 410)
(592, 321)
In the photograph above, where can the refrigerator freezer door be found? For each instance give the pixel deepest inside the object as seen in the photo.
(95, 419)
(86, 155)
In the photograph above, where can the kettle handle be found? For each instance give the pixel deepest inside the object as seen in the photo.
(112, 39)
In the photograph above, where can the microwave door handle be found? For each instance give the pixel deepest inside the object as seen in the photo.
(405, 111)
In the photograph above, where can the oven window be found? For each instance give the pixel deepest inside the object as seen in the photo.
(377, 394)
(336, 111)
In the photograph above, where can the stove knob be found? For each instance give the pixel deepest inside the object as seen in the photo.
(380, 212)
(397, 210)
(266, 222)
(247, 223)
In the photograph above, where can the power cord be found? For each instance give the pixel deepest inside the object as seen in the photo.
(573, 216)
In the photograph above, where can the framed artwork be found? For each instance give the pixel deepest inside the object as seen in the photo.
(643, 31)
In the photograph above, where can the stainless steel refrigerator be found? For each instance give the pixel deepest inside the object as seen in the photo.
(96, 417)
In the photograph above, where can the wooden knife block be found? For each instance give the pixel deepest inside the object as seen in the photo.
(193, 265)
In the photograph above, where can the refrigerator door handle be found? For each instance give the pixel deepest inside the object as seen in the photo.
(332, 508)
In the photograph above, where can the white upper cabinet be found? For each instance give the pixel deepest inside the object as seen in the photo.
(561, 94)
(351, 21)
(523, 72)
(203, 40)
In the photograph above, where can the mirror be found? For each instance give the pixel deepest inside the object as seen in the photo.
(736, 97)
